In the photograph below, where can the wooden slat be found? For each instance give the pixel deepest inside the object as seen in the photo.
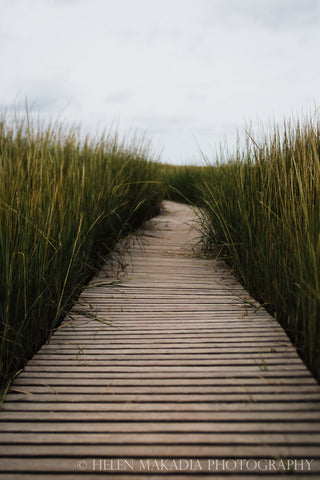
(132, 351)
(213, 382)
(166, 416)
(300, 406)
(188, 366)
(104, 360)
(167, 427)
(311, 438)
(81, 366)
(274, 375)
(193, 389)
(109, 396)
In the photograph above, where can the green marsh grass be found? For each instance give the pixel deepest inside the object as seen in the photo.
(183, 183)
(262, 209)
(64, 203)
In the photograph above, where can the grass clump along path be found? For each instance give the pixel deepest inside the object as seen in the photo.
(64, 203)
(183, 182)
(262, 208)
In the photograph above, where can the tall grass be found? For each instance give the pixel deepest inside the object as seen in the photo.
(183, 183)
(64, 203)
(262, 208)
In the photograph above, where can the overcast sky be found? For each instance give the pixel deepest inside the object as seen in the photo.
(187, 73)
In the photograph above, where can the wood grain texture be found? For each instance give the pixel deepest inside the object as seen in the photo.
(164, 356)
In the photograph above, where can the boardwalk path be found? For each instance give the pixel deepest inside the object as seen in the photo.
(189, 370)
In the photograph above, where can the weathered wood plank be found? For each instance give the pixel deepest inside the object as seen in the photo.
(162, 427)
(109, 396)
(194, 389)
(231, 370)
(219, 376)
(141, 335)
(300, 406)
(208, 343)
(98, 360)
(249, 416)
(66, 438)
(224, 353)
(188, 381)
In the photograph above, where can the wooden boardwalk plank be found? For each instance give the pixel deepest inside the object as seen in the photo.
(188, 366)
(153, 426)
(240, 406)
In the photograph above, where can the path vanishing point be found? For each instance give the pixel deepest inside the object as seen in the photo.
(192, 379)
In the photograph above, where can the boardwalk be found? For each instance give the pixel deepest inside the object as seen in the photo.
(190, 370)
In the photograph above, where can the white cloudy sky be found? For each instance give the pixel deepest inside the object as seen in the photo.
(187, 73)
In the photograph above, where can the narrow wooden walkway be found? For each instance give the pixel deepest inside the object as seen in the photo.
(191, 370)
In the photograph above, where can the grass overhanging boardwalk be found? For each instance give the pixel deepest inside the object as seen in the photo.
(191, 370)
